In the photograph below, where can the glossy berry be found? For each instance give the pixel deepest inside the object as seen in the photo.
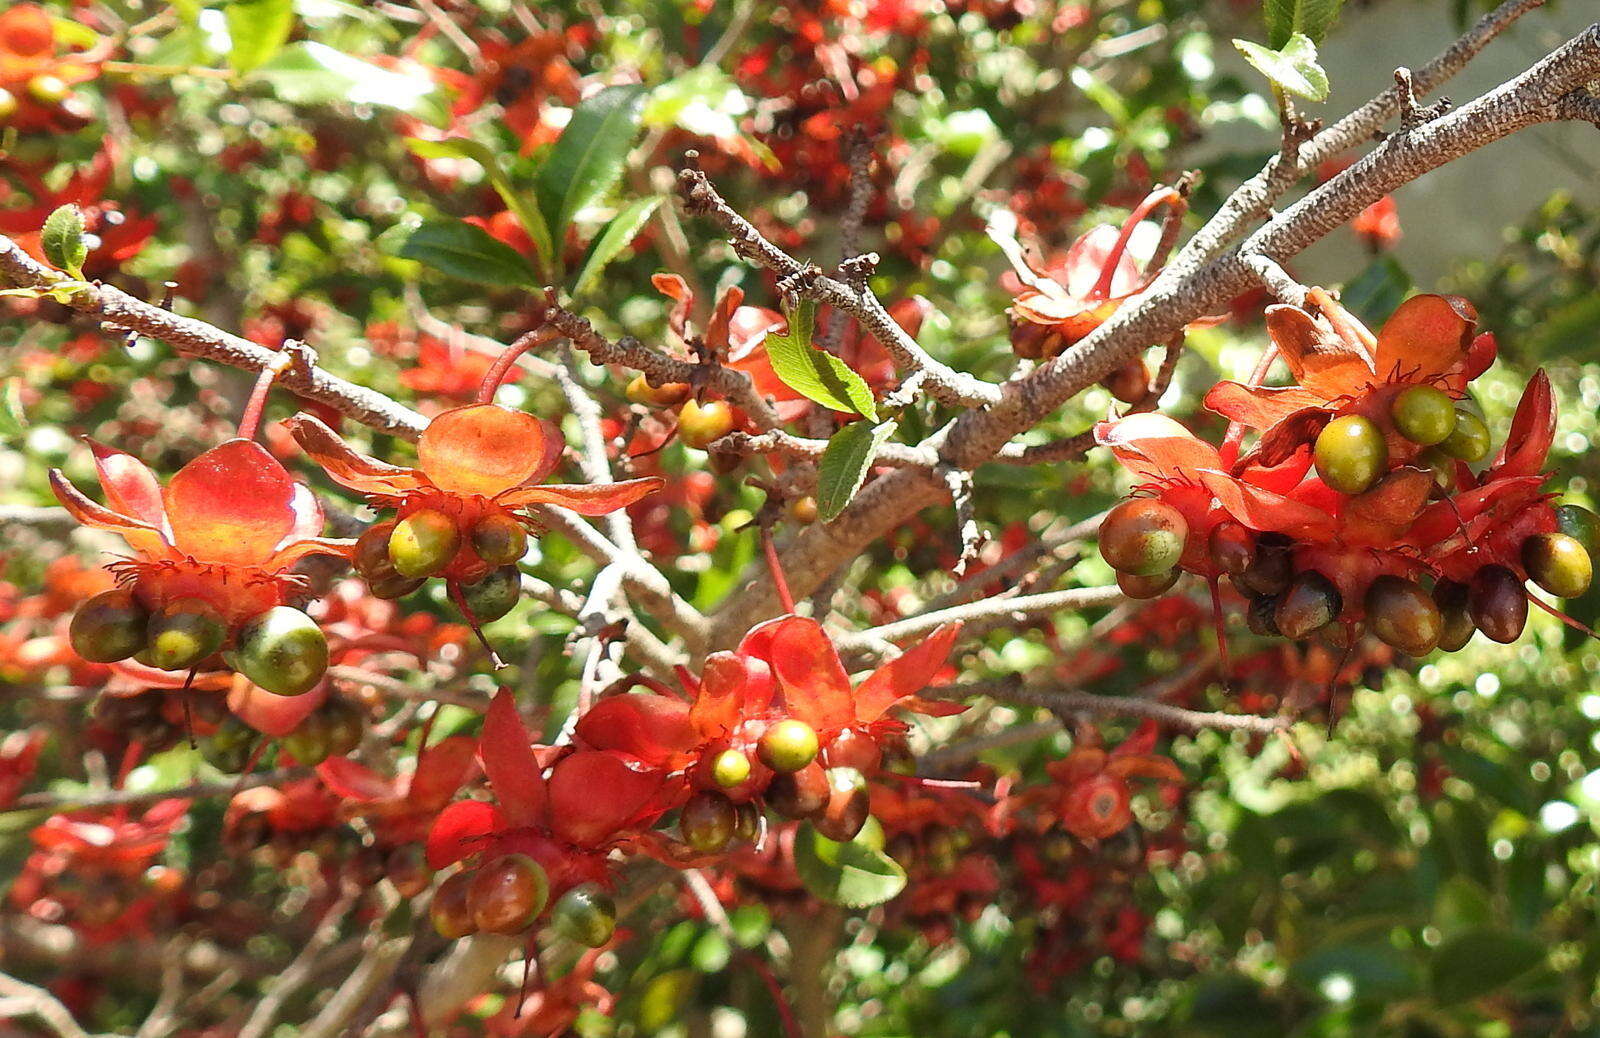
(1350, 453)
(1141, 588)
(585, 914)
(799, 794)
(1498, 604)
(48, 90)
(707, 821)
(1424, 414)
(371, 560)
(109, 627)
(1469, 441)
(1310, 603)
(450, 912)
(1580, 524)
(228, 748)
(423, 543)
(1558, 563)
(848, 805)
(499, 539)
(494, 595)
(701, 423)
(803, 510)
(1457, 627)
(182, 633)
(1232, 547)
(308, 743)
(788, 745)
(640, 391)
(345, 726)
(407, 868)
(853, 748)
(282, 650)
(1143, 536)
(507, 894)
(1271, 569)
(1403, 615)
(731, 768)
(8, 104)
(746, 821)
(1261, 616)
(1129, 383)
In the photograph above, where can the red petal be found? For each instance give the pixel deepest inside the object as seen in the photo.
(1425, 337)
(1264, 510)
(1086, 260)
(1147, 766)
(815, 687)
(507, 752)
(352, 781)
(594, 794)
(461, 830)
(1142, 741)
(1259, 407)
(1288, 435)
(1319, 360)
(131, 488)
(269, 713)
(723, 681)
(441, 770)
(932, 707)
(1480, 355)
(647, 727)
(1156, 447)
(345, 466)
(232, 504)
(676, 289)
(482, 449)
(144, 538)
(583, 498)
(1533, 429)
(717, 329)
(904, 675)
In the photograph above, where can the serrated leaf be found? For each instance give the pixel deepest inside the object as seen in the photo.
(257, 29)
(1293, 67)
(856, 874)
(844, 464)
(529, 216)
(467, 251)
(623, 228)
(1477, 962)
(587, 159)
(1310, 18)
(61, 240)
(816, 374)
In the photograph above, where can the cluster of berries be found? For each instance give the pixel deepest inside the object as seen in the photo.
(36, 85)
(1360, 491)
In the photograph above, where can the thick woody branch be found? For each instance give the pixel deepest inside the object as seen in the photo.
(123, 312)
(942, 381)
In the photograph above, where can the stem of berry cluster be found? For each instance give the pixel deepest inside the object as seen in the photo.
(503, 364)
(775, 566)
(1108, 273)
(250, 421)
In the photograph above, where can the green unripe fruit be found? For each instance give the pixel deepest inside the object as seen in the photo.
(1498, 604)
(507, 894)
(282, 650)
(1143, 536)
(49, 90)
(371, 560)
(308, 743)
(730, 769)
(1469, 441)
(109, 627)
(788, 746)
(707, 821)
(1580, 524)
(499, 539)
(228, 748)
(1350, 453)
(585, 914)
(1424, 414)
(494, 595)
(1310, 603)
(183, 633)
(423, 543)
(746, 821)
(1558, 563)
(1403, 615)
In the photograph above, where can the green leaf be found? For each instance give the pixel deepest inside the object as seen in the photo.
(587, 159)
(11, 416)
(311, 73)
(1477, 962)
(467, 251)
(257, 29)
(1293, 67)
(816, 374)
(623, 228)
(61, 238)
(529, 216)
(1375, 971)
(1310, 18)
(844, 465)
(857, 874)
